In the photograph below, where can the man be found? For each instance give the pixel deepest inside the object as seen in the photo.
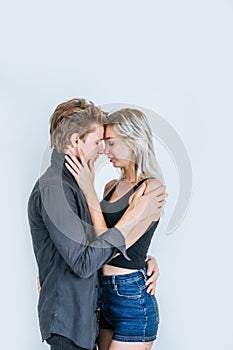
(67, 252)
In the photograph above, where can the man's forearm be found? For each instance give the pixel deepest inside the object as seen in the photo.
(132, 229)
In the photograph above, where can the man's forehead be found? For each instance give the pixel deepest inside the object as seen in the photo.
(98, 132)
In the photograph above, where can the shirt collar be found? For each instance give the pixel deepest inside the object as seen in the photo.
(58, 161)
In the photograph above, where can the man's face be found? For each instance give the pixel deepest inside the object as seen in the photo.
(92, 146)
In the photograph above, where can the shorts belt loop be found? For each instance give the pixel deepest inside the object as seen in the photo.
(113, 280)
(144, 274)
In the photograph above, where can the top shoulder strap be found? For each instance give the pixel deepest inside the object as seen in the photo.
(141, 182)
(110, 192)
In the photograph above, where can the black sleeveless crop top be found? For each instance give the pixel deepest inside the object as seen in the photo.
(112, 213)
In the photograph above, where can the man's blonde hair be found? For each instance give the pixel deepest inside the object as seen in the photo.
(74, 116)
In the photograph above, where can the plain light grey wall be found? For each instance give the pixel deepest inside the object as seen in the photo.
(174, 57)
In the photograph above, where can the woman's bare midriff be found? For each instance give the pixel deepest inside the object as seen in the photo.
(113, 270)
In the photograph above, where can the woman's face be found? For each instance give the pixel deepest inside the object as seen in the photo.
(119, 153)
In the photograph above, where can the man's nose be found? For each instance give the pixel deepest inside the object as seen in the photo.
(101, 148)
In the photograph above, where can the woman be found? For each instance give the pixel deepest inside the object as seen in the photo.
(129, 315)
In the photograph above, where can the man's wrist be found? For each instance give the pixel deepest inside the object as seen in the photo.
(126, 223)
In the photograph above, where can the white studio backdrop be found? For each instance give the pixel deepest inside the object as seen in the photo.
(173, 57)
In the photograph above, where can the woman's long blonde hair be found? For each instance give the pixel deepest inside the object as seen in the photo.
(133, 126)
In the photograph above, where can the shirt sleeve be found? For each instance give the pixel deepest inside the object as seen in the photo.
(69, 233)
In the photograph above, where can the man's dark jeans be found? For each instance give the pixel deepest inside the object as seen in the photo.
(58, 342)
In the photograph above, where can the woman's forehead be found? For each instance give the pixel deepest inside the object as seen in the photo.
(110, 132)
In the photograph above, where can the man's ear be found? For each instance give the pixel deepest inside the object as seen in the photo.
(74, 138)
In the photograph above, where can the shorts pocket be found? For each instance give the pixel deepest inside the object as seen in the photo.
(128, 290)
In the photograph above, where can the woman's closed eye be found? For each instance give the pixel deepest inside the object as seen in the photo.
(109, 143)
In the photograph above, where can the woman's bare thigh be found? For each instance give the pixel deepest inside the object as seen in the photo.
(118, 345)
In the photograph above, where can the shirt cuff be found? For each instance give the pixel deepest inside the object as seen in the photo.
(114, 237)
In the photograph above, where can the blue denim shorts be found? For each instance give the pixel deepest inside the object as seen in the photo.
(127, 308)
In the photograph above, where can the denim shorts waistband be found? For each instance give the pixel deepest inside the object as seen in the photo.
(128, 277)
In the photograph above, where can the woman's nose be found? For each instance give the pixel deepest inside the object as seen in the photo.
(106, 151)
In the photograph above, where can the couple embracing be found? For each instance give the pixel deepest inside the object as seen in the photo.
(95, 276)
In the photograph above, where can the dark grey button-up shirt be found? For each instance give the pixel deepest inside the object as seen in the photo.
(68, 255)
